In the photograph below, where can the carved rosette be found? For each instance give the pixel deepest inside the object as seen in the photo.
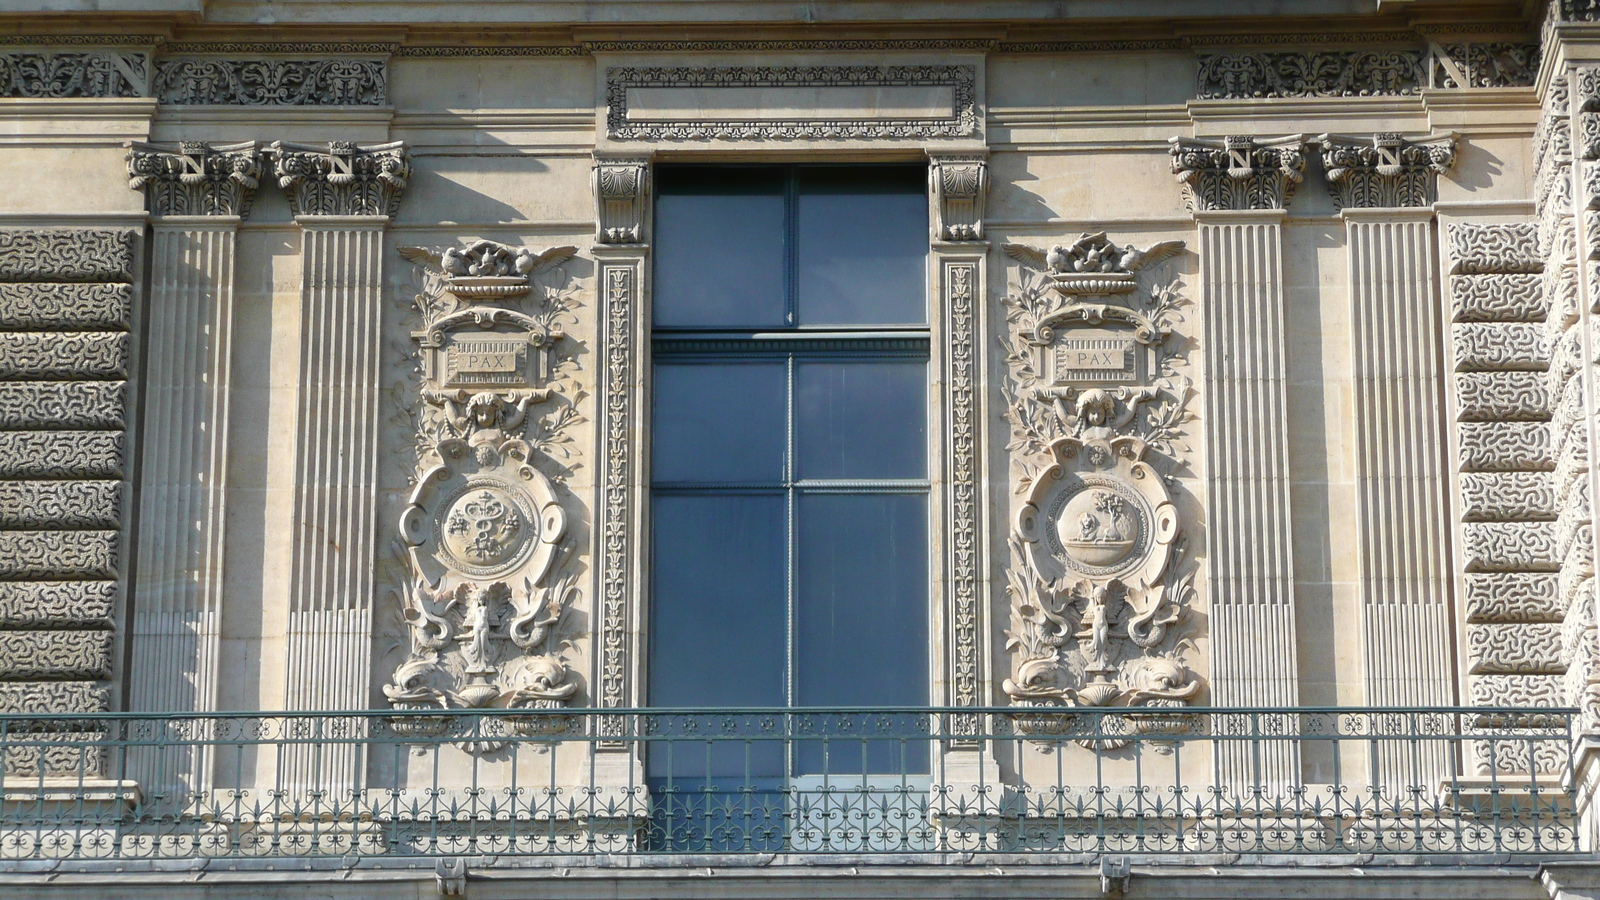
(1099, 584)
(199, 180)
(484, 526)
(1238, 172)
(342, 179)
(1385, 170)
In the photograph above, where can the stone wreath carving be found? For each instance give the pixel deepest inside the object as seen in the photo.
(1099, 583)
(483, 525)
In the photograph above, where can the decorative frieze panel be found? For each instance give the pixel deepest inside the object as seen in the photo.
(1501, 396)
(47, 74)
(485, 523)
(56, 604)
(1513, 597)
(1498, 297)
(1399, 71)
(1236, 173)
(1505, 446)
(1507, 496)
(66, 254)
(61, 454)
(49, 355)
(199, 180)
(60, 504)
(271, 81)
(1500, 346)
(1385, 170)
(343, 178)
(47, 305)
(1100, 581)
(737, 103)
(1522, 648)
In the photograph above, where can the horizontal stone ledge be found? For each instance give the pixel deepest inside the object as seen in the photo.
(55, 655)
(1513, 597)
(1505, 446)
(58, 555)
(60, 504)
(28, 405)
(57, 604)
(1514, 648)
(55, 355)
(64, 306)
(1501, 396)
(61, 454)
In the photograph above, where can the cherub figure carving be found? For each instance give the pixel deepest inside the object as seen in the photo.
(1094, 415)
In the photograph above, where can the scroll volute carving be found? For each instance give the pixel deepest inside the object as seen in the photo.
(1099, 582)
(484, 525)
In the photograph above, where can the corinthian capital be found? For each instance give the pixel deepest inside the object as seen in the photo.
(343, 179)
(1385, 170)
(199, 180)
(959, 185)
(1237, 172)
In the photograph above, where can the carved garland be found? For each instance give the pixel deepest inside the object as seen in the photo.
(617, 526)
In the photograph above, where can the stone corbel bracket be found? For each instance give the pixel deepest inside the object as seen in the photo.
(1385, 170)
(959, 185)
(1239, 172)
(343, 178)
(621, 198)
(199, 180)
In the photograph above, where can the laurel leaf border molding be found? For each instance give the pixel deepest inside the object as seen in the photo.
(963, 120)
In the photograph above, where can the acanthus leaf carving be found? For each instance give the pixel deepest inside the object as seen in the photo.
(342, 178)
(199, 180)
(1238, 172)
(271, 81)
(1385, 170)
(61, 74)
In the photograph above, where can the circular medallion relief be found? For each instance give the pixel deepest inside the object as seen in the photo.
(487, 527)
(1098, 526)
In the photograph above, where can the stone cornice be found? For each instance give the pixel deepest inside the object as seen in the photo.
(342, 178)
(1384, 170)
(1238, 173)
(198, 180)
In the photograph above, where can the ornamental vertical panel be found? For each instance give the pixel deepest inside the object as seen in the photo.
(1238, 188)
(197, 198)
(342, 196)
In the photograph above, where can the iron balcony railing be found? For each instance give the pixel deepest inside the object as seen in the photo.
(1478, 784)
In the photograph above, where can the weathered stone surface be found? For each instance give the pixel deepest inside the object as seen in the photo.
(43, 555)
(55, 655)
(61, 404)
(61, 454)
(1503, 496)
(56, 604)
(32, 355)
(65, 306)
(1520, 648)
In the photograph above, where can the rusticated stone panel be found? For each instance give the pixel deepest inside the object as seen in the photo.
(1514, 690)
(1513, 597)
(1497, 297)
(1478, 248)
(64, 306)
(1510, 546)
(1507, 496)
(1501, 396)
(66, 298)
(1505, 446)
(1523, 648)
(1488, 346)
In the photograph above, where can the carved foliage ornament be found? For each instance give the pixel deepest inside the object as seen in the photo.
(622, 196)
(959, 185)
(99, 73)
(483, 525)
(1098, 582)
(271, 82)
(343, 178)
(1385, 170)
(1237, 172)
(1245, 75)
(199, 180)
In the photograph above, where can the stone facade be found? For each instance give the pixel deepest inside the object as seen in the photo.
(1261, 377)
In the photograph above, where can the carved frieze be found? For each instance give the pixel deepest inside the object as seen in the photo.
(1327, 73)
(959, 186)
(484, 523)
(1385, 170)
(1100, 582)
(342, 178)
(1238, 172)
(199, 180)
(622, 198)
(74, 73)
(271, 81)
(64, 306)
(1485, 64)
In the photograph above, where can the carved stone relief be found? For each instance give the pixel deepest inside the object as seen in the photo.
(1237, 173)
(199, 180)
(958, 186)
(343, 178)
(271, 81)
(1363, 73)
(75, 73)
(1099, 582)
(484, 524)
(1385, 170)
(621, 196)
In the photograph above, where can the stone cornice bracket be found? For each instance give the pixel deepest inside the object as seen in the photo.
(342, 179)
(199, 180)
(1385, 171)
(959, 185)
(1238, 172)
(621, 198)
